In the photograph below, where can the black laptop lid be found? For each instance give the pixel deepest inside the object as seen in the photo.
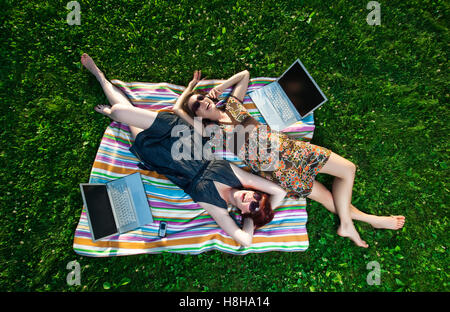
(100, 211)
(300, 89)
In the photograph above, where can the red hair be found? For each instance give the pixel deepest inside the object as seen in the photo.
(265, 213)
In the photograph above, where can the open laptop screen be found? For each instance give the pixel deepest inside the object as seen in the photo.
(300, 89)
(100, 211)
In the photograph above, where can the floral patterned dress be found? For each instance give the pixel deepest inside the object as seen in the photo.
(291, 163)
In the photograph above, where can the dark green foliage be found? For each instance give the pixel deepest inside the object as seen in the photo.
(387, 87)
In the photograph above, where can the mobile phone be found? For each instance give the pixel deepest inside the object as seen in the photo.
(162, 229)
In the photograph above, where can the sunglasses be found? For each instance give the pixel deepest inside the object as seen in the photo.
(254, 205)
(196, 104)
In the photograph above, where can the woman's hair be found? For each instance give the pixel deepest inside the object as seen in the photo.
(265, 213)
(185, 105)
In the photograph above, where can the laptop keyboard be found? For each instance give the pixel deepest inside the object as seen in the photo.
(122, 204)
(275, 96)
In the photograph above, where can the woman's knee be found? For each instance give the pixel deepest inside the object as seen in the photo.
(351, 167)
(349, 170)
(339, 167)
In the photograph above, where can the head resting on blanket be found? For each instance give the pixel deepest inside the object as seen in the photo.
(197, 103)
(255, 205)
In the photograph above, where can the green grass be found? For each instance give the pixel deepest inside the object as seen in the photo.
(387, 112)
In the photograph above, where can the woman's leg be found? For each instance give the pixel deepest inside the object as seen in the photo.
(344, 172)
(115, 96)
(132, 116)
(323, 196)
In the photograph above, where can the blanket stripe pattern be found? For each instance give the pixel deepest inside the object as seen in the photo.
(190, 229)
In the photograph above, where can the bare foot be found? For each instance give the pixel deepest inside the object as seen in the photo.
(351, 233)
(390, 223)
(89, 63)
(103, 109)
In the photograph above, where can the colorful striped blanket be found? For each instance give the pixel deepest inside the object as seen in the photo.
(190, 229)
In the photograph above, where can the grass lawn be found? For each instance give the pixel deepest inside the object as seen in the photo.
(387, 87)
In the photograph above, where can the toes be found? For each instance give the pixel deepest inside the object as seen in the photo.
(100, 108)
(400, 221)
(363, 244)
(84, 58)
(102, 111)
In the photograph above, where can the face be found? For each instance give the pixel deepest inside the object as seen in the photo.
(247, 201)
(203, 106)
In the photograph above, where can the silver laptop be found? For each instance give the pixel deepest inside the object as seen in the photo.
(116, 207)
(290, 98)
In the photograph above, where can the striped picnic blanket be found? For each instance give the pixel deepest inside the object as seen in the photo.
(190, 229)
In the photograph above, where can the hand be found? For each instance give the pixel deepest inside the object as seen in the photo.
(215, 92)
(195, 78)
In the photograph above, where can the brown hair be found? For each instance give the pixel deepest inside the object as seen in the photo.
(265, 213)
(185, 105)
